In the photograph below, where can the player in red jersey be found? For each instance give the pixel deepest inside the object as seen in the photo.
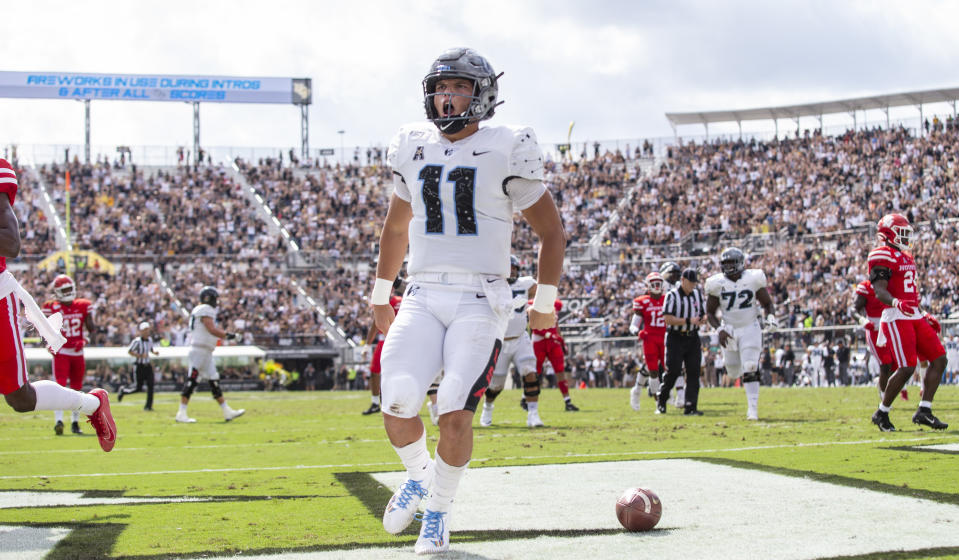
(19, 392)
(375, 334)
(869, 311)
(69, 367)
(648, 311)
(910, 335)
(548, 344)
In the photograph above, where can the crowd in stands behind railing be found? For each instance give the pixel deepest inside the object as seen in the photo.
(257, 299)
(163, 213)
(120, 302)
(37, 236)
(802, 185)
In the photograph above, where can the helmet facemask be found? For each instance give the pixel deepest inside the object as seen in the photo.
(732, 262)
(468, 65)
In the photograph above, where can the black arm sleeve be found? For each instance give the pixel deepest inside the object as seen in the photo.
(879, 273)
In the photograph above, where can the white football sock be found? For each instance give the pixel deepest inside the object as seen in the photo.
(375, 399)
(182, 409)
(532, 406)
(52, 396)
(654, 385)
(225, 407)
(76, 415)
(415, 457)
(752, 394)
(925, 404)
(445, 482)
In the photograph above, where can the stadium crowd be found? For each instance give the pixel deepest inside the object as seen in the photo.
(799, 188)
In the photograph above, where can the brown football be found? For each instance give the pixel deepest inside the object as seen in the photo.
(639, 509)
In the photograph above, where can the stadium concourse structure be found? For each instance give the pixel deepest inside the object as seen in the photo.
(795, 112)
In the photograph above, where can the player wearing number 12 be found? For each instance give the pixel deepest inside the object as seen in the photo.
(456, 187)
(739, 292)
(648, 312)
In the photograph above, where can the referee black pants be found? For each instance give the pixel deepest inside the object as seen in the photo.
(682, 350)
(144, 373)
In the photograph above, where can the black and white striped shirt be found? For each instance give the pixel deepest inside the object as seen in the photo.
(141, 346)
(681, 305)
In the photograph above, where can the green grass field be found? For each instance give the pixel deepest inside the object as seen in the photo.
(289, 476)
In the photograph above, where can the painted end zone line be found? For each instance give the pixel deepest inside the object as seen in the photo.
(392, 464)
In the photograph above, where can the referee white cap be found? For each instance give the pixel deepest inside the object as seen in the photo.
(143, 325)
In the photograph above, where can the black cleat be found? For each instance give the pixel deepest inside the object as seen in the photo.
(148, 408)
(570, 407)
(120, 394)
(881, 419)
(660, 409)
(58, 428)
(75, 428)
(373, 409)
(692, 412)
(522, 404)
(924, 417)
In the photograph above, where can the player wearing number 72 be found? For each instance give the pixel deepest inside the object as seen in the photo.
(739, 292)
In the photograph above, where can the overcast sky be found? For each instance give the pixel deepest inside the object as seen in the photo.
(613, 67)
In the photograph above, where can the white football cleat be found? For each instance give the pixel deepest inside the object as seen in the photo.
(435, 532)
(680, 400)
(182, 417)
(752, 414)
(434, 413)
(230, 414)
(533, 420)
(634, 397)
(403, 505)
(486, 418)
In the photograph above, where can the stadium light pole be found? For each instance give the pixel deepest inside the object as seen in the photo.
(341, 133)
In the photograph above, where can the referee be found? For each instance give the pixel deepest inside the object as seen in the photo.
(684, 312)
(141, 348)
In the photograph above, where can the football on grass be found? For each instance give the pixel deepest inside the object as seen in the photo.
(639, 509)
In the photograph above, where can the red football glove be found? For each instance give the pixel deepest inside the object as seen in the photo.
(933, 322)
(870, 327)
(904, 306)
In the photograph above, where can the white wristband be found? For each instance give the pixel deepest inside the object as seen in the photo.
(382, 289)
(545, 296)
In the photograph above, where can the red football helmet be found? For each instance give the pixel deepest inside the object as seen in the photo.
(895, 230)
(655, 282)
(64, 288)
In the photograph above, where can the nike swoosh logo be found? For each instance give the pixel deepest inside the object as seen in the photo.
(480, 296)
(491, 281)
(475, 153)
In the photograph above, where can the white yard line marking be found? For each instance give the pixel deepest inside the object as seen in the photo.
(680, 452)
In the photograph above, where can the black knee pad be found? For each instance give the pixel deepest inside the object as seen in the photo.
(215, 389)
(433, 389)
(531, 388)
(190, 384)
(750, 376)
(491, 394)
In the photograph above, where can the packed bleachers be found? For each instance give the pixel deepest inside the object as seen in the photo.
(197, 227)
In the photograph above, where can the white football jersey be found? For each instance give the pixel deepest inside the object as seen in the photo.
(737, 300)
(464, 194)
(199, 335)
(520, 289)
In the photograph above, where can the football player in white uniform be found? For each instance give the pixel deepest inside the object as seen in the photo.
(204, 335)
(517, 350)
(739, 292)
(456, 187)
